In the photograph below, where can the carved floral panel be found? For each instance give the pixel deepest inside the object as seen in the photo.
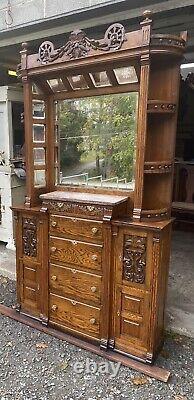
(29, 237)
(134, 258)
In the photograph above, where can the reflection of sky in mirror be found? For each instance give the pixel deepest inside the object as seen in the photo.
(97, 140)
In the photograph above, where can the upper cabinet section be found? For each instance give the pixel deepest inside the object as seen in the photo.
(116, 48)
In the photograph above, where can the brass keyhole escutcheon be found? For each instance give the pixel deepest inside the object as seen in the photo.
(92, 321)
(94, 257)
(93, 289)
(73, 302)
(94, 231)
(53, 249)
(53, 224)
(54, 278)
(54, 307)
(74, 242)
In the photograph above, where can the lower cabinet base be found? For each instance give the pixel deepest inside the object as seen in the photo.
(152, 371)
(96, 281)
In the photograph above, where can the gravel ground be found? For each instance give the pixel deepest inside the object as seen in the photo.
(7, 291)
(34, 365)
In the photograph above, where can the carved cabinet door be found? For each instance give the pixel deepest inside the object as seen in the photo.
(32, 263)
(132, 291)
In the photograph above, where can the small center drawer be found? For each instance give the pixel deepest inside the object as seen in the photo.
(75, 315)
(74, 283)
(75, 252)
(68, 226)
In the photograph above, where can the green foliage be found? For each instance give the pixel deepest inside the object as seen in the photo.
(71, 124)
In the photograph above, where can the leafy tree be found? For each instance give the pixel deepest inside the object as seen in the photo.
(71, 123)
(100, 128)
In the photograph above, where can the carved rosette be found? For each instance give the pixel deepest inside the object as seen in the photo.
(79, 44)
(29, 237)
(134, 258)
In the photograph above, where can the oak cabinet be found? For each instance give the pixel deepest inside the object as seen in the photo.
(138, 297)
(93, 236)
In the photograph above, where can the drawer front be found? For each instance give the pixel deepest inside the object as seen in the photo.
(76, 253)
(69, 226)
(74, 283)
(75, 315)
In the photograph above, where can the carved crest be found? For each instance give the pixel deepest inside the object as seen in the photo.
(134, 259)
(79, 44)
(29, 237)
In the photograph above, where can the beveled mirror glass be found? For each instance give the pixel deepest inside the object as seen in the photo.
(97, 140)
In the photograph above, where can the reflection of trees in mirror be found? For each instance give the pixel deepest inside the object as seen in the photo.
(98, 139)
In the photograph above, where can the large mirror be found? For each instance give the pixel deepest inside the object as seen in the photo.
(97, 138)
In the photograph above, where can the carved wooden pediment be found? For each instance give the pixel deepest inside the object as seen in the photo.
(79, 45)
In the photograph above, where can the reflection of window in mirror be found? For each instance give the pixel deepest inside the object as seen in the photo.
(38, 108)
(38, 133)
(97, 140)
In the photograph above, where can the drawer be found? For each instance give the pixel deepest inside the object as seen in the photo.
(75, 252)
(69, 226)
(74, 283)
(75, 315)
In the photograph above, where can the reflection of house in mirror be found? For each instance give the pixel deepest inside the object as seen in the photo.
(12, 172)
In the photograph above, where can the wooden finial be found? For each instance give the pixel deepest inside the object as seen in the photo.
(24, 46)
(147, 14)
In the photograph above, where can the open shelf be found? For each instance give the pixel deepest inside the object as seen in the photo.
(160, 138)
(157, 192)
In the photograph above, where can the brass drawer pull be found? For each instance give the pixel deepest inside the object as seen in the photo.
(93, 289)
(94, 257)
(53, 249)
(54, 307)
(92, 321)
(53, 278)
(73, 270)
(73, 302)
(53, 224)
(94, 231)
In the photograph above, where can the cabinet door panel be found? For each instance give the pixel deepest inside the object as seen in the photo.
(30, 300)
(132, 317)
